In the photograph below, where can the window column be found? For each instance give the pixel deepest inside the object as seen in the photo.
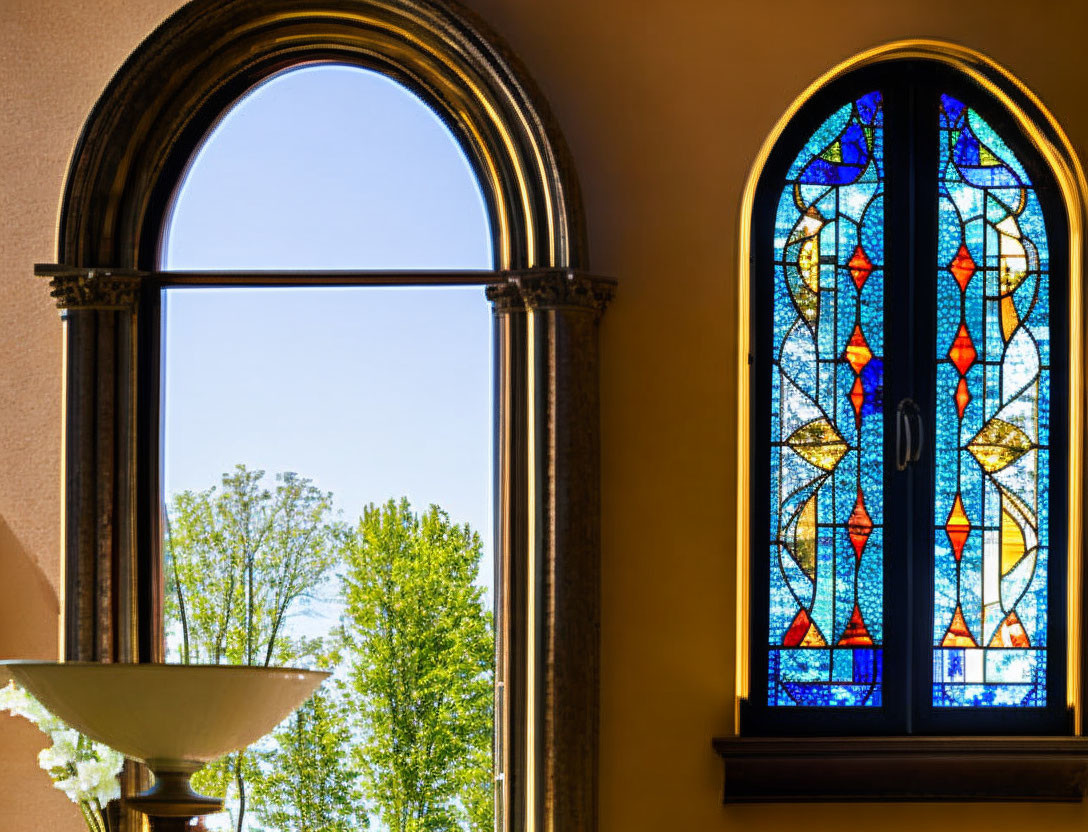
(548, 487)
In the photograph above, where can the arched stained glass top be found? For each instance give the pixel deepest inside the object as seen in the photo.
(826, 527)
(351, 171)
(992, 423)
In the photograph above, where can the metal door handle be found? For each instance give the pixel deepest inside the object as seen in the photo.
(910, 450)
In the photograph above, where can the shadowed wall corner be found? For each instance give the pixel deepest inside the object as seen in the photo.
(29, 612)
(29, 607)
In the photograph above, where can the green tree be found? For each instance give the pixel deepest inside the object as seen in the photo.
(307, 786)
(421, 664)
(242, 559)
(306, 782)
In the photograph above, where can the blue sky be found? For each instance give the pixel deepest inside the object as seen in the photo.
(372, 393)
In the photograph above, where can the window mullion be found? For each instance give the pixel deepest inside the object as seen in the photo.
(920, 348)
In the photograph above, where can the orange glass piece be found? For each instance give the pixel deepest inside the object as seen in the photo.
(962, 352)
(958, 635)
(963, 396)
(1011, 633)
(803, 633)
(858, 353)
(856, 633)
(857, 398)
(957, 527)
(859, 526)
(1010, 318)
(860, 267)
(962, 267)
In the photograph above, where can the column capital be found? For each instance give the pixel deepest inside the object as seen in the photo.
(505, 297)
(74, 288)
(565, 289)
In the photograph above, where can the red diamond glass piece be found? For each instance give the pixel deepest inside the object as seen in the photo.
(962, 267)
(957, 527)
(962, 397)
(962, 352)
(859, 526)
(858, 353)
(857, 398)
(860, 267)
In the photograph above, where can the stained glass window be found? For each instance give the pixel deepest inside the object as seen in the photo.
(826, 527)
(992, 423)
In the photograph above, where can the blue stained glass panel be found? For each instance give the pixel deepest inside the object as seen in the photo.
(992, 423)
(827, 518)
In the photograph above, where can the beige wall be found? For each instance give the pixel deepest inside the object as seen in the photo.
(664, 105)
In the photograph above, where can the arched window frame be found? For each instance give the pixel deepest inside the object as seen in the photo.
(763, 768)
(132, 154)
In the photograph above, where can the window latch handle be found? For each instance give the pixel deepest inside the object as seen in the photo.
(908, 443)
(919, 435)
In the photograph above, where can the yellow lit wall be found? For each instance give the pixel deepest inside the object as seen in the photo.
(664, 104)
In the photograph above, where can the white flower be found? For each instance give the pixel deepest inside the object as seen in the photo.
(20, 703)
(85, 771)
(70, 786)
(65, 745)
(50, 758)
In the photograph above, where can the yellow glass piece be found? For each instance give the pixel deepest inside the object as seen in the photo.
(1010, 320)
(986, 158)
(813, 638)
(1012, 542)
(998, 445)
(804, 545)
(808, 262)
(833, 153)
(819, 443)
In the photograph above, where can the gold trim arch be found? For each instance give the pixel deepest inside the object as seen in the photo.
(174, 87)
(1048, 138)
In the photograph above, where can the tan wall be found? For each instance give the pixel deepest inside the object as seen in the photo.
(664, 105)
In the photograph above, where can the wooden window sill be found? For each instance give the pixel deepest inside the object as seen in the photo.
(777, 769)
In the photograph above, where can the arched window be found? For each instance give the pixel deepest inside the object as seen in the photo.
(908, 539)
(133, 153)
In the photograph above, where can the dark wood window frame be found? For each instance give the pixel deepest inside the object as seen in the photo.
(546, 310)
(775, 755)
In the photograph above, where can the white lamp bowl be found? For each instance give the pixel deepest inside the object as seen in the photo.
(172, 717)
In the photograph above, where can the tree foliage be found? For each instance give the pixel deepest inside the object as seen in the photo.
(241, 560)
(406, 733)
(309, 784)
(421, 666)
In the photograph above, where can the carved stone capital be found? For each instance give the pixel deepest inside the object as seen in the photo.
(505, 297)
(565, 290)
(95, 289)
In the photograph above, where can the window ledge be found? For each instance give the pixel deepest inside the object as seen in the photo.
(776, 769)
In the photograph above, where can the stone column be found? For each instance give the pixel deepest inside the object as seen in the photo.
(548, 662)
(109, 607)
(510, 497)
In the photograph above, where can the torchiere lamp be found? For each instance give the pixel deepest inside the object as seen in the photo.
(174, 718)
